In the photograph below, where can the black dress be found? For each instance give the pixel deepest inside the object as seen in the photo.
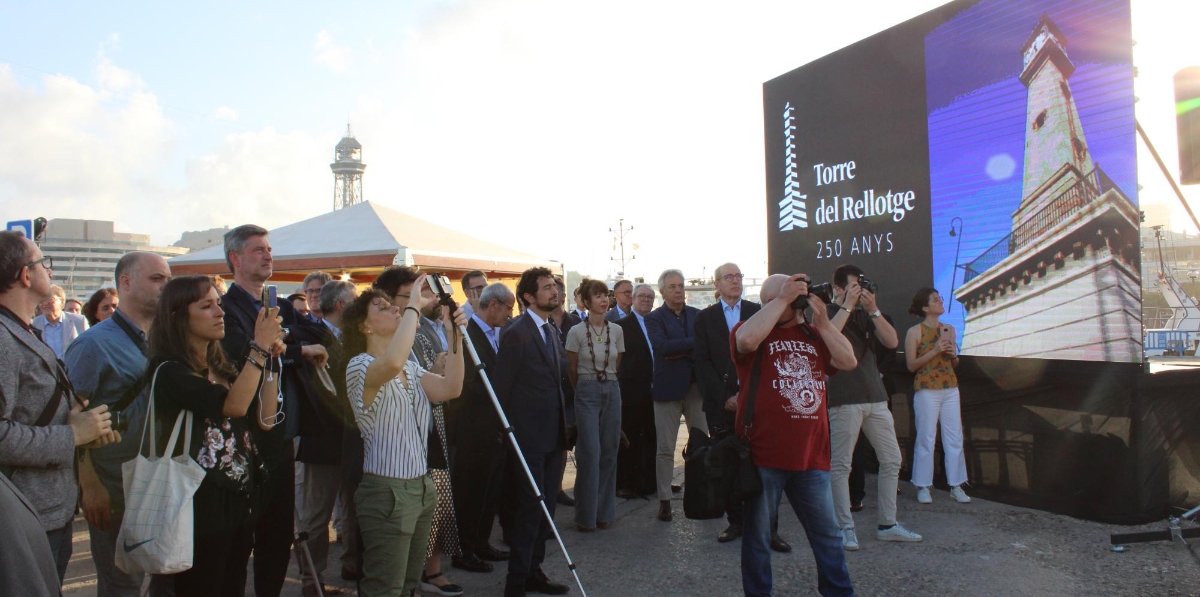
(223, 505)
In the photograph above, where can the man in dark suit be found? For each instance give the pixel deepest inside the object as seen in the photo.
(323, 421)
(478, 470)
(635, 462)
(671, 330)
(529, 386)
(248, 254)
(623, 305)
(717, 377)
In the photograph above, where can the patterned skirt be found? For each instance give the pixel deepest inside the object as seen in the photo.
(443, 533)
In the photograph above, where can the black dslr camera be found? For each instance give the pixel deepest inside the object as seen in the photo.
(866, 284)
(824, 291)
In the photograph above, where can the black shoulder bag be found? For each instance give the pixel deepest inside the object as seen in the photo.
(744, 480)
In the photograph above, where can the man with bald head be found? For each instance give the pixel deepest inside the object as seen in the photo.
(105, 365)
(782, 362)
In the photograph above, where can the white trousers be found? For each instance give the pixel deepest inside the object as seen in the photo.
(930, 406)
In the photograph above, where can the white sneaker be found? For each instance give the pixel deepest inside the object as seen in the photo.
(959, 495)
(923, 495)
(897, 533)
(849, 539)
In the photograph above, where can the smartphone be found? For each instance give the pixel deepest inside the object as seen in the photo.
(270, 296)
(946, 333)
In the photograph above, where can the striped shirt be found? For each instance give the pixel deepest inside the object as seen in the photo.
(395, 428)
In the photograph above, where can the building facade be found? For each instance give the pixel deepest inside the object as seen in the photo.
(86, 252)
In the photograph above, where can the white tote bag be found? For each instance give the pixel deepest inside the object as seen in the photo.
(156, 534)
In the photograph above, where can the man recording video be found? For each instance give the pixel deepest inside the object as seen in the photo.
(858, 401)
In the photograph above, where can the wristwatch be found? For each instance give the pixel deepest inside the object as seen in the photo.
(875, 314)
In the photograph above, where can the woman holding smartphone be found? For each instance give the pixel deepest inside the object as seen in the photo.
(191, 374)
(391, 397)
(932, 354)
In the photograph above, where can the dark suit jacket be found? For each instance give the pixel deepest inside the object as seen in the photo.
(714, 366)
(671, 338)
(637, 366)
(240, 315)
(476, 414)
(614, 315)
(323, 415)
(528, 383)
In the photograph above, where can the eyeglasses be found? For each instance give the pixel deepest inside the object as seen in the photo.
(476, 288)
(403, 296)
(733, 277)
(46, 262)
(381, 305)
(644, 297)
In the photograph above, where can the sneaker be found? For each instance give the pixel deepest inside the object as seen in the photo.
(959, 495)
(849, 539)
(923, 495)
(897, 533)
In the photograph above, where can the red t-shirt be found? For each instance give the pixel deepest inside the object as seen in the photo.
(791, 423)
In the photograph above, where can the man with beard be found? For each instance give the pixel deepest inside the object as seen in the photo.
(529, 386)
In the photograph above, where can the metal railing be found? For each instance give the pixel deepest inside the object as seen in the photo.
(1073, 199)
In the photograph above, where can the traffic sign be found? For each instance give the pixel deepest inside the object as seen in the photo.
(21, 226)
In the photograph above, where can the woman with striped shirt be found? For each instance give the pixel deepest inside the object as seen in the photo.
(390, 397)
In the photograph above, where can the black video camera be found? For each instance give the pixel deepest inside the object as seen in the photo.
(440, 285)
(824, 291)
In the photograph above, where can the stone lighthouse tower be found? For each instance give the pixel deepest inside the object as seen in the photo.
(1065, 283)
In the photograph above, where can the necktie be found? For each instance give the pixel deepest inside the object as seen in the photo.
(491, 334)
(548, 336)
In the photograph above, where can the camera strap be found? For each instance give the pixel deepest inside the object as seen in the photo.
(755, 374)
(133, 391)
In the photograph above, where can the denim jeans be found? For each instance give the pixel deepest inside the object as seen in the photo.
(811, 498)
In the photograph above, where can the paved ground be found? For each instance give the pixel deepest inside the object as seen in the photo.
(978, 549)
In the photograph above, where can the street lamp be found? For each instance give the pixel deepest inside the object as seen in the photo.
(957, 248)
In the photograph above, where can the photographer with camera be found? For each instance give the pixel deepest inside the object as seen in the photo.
(106, 365)
(782, 361)
(858, 402)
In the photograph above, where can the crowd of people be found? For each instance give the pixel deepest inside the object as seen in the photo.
(361, 409)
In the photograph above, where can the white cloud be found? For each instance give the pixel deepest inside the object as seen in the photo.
(72, 150)
(225, 113)
(328, 53)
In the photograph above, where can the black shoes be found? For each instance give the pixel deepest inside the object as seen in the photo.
(664, 510)
(676, 488)
(538, 582)
(779, 545)
(470, 562)
(491, 554)
(856, 506)
(565, 500)
(731, 532)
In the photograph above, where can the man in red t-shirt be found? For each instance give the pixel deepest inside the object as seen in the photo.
(789, 434)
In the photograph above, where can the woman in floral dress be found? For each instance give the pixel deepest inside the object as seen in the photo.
(192, 374)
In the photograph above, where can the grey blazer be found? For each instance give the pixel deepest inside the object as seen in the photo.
(26, 564)
(73, 325)
(41, 458)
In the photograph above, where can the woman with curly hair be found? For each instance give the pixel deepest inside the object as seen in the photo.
(100, 306)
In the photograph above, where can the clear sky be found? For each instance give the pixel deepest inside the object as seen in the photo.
(535, 123)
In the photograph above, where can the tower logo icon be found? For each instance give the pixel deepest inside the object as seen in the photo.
(792, 212)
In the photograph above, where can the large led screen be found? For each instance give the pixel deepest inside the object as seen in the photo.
(986, 149)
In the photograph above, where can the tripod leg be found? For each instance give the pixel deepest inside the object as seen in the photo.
(512, 438)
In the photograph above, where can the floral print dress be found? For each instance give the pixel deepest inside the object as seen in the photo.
(223, 446)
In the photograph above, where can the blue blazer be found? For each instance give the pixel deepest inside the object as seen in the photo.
(672, 341)
(528, 383)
